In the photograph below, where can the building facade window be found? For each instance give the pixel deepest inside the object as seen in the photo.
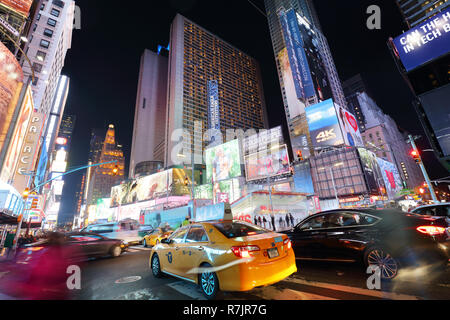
(51, 22)
(48, 33)
(45, 44)
(55, 12)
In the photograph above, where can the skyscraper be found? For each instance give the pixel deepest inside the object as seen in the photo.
(306, 69)
(151, 109)
(103, 179)
(417, 11)
(197, 60)
(49, 40)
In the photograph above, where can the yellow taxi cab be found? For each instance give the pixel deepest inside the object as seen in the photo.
(155, 237)
(224, 256)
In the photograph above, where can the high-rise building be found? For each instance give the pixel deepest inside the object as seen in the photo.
(306, 68)
(48, 42)
(66, 129)
(199, 59)
(151, 109)
(102, 177)
(417, 11)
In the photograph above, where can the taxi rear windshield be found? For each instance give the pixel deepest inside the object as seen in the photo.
(239, 229)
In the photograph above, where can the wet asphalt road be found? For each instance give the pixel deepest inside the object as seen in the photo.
(129, 278)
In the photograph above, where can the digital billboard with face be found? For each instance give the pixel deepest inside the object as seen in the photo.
(324, 125)
(371, 170)
(268, 163)
(223, 162)
(425, 42)
(349, 128)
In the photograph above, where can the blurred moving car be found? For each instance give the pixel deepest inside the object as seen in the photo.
(435, 210)
(227, 256)
(126, 230)
(156, 236)
(389, 239)
(40, 270)
(84, 245)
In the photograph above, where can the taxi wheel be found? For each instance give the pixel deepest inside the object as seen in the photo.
(156, 266)
(209, 283)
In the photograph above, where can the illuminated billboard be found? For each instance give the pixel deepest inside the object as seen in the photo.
(302, 178)
(11, 76)
(295, 105)
(332, 125)
(18, 138)
(268, 163)
(213, 106)
(371, 170)
(22, 7)
(223, 162)
(392, 180)
(425, 42)
(232, 188)
(152, 187)
(324, 125)
(297, 57)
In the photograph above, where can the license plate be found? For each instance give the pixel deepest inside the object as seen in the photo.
(273, 253)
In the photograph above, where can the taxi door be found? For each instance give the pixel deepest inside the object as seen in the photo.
(197, 243)
(172, 258)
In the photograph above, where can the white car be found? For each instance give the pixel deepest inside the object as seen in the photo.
(435, 210)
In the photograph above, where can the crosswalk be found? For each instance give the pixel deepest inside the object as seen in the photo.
(296, 289)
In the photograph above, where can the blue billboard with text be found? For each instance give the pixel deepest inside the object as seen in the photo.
(426, 42)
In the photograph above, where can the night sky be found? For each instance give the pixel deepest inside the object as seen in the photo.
(103, 63)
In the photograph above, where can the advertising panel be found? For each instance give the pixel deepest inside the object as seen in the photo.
(425, 42)
(22, 7)
(296, 106)
(324, 125)
(151, 187)
(302, 178)
(231, 188)
(269, 163)
(349, 127)
(371, 170)
(316, 64)
(173, 217)
(297, 56)
(103, 211)
(223, 162)
(391, 177)
(11, 76)
(18, 138)
(214, 110)
(42, 166)
(29, 152)
(436, 107)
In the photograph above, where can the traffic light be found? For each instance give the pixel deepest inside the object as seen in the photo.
(115, 170)
(26, 193)
(186, 181)
(300, 155)
(416, 156)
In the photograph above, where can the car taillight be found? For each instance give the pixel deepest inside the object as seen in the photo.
(244, 252)
(431, 230)
(288, 243)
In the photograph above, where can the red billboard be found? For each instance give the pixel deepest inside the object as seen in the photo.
(20, 6)
(11, 77)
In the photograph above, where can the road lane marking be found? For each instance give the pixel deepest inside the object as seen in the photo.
(273, 293)
(188, 289)
(355, 290)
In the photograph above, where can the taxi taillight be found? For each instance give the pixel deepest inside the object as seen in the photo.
(288, 243)
(245, 251)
